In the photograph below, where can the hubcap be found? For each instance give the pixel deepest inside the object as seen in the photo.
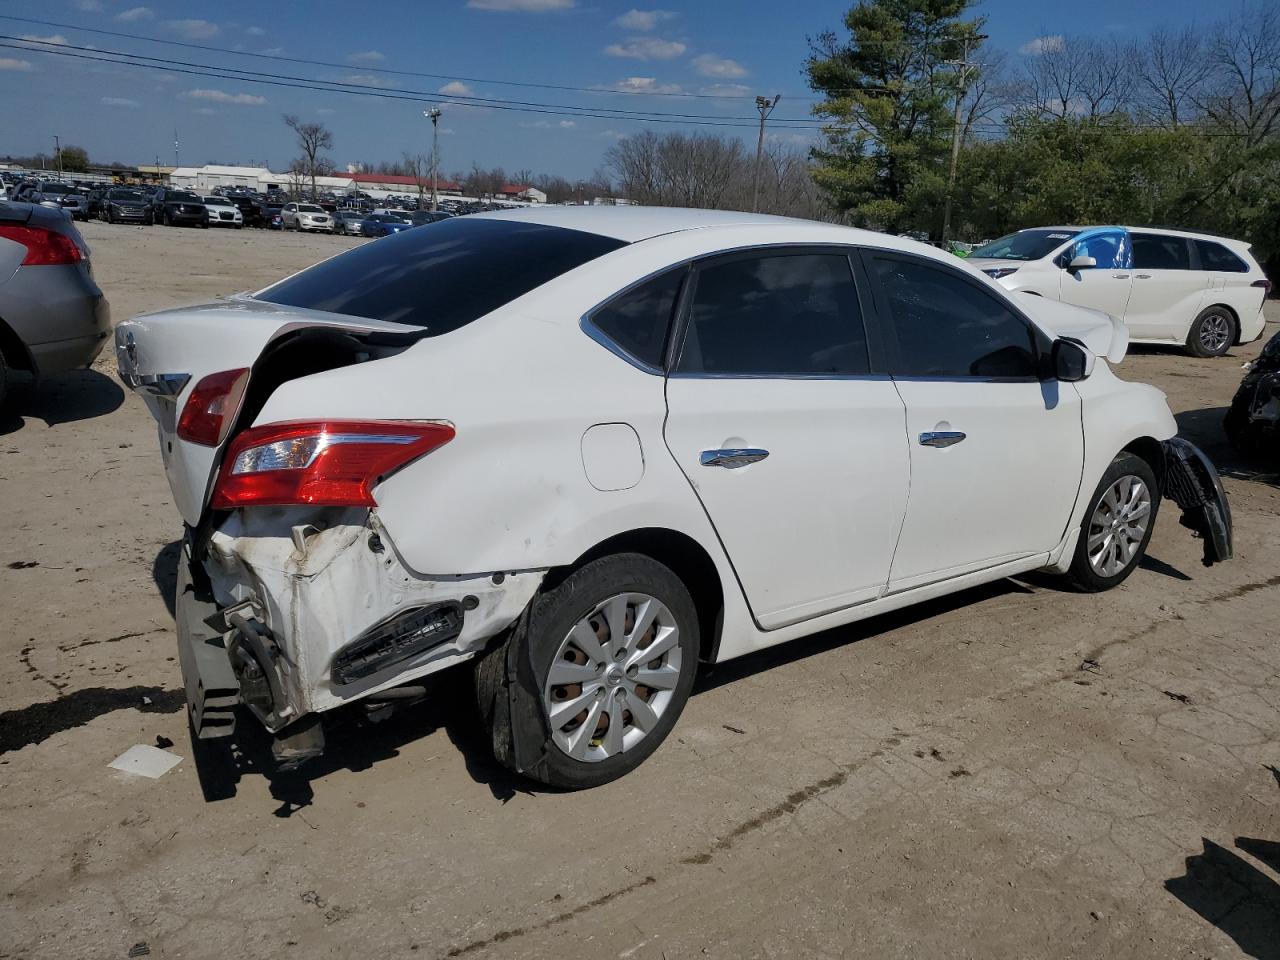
(1215, 330)
(613, 677)
(1119, 525)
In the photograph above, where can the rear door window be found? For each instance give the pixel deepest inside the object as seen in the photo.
(948, 326)
(442, 278)
(775, 315)
(1159, 251)
(1214, 256)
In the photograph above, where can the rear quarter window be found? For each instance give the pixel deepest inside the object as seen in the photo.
(442, 278)
(1214, 256)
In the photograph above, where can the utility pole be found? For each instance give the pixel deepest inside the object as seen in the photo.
(175, 148)
(434, 116)
(962, 77)
(57, 152)
(765, 106)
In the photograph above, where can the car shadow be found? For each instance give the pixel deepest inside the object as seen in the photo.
(81, 395)
(1204, 428)
(1234, 895)
(164, 572)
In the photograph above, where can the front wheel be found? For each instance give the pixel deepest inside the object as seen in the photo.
(608, 659)
(1118, 526)
(1212, 333)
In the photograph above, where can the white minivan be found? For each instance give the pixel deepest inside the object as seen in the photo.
(1168, 286)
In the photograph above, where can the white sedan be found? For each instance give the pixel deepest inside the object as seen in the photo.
(223, 213)
(607, 445)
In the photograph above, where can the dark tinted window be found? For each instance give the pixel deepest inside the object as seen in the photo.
(638, 320)
(1155, 251)
(442, 278)
(1024, 245)
(948, 326)
(1214, 256)
(776, 315)
(177, 196)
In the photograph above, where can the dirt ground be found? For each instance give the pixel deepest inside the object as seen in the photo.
(1012, 772)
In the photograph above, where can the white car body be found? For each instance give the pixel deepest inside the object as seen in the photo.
(223, 213)
(565, 444)
(305, 216)
(1157, 290)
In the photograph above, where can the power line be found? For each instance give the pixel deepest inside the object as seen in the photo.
(336, 86)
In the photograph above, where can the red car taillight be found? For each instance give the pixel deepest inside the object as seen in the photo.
(325, 463)
(44, 247)
(1264, 284)
(212, 406)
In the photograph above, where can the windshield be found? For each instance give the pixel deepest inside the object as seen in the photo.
(442, 278)
(56, 188)
(125, 195)
(217, 202)
(309, 208)
(1024, 245)
(184, 198)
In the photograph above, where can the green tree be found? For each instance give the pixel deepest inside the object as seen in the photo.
(75, 159)
(888, 92)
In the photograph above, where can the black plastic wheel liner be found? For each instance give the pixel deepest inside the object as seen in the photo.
(1192, 482)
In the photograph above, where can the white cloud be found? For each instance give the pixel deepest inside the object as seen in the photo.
(221, 96)
(88, 6)
(520, 6)
(646, 48)
(120, 102)
(610, 135)
(1048, 44)
(255, 31)
(709, 65)
(456, 88)
(643, 85)
(206, 111)
(547, 125)
(12, 63)
(194, 29)
(56, 39)
(133, 14)
(366, 56)
(566, 124)
(361, 80)
(725, 90)
(325, 111)
(642, 21)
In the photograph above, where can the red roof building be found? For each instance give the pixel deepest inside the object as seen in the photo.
(393, 182)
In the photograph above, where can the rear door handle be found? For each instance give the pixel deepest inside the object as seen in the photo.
(941, 438)
(732, 458)
(1121, 276)
(1143, 276)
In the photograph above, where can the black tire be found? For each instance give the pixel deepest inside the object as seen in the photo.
(1082, 574)
(4, 381)
(1206, 338)
(512, 706)
(111, 217)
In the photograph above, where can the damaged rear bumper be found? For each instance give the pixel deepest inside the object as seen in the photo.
(296, 611)
(1192, 482)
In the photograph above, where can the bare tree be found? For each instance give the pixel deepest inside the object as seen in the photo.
(1105, 77)
(418, 166)
(1053, 77)
(1244, 94)
(989, 93)
(312, 139)
(1170, 70)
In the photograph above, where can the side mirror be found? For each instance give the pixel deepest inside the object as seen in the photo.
(1072, 360)
(1082, 263)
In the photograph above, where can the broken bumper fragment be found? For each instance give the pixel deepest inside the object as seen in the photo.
(1191, 481)
(294, 611)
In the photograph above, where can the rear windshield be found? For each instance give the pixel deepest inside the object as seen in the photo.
(1024, 245)
(126, 195)
(442, 278)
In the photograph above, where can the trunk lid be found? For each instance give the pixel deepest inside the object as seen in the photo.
(162, 356)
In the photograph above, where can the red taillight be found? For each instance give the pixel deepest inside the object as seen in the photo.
(212, 406)
(44, 247)
(1264, 284)
(327, 463)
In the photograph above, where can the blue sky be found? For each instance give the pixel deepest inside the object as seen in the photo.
(714, 48)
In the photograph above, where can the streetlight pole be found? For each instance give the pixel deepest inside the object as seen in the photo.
(962, 77)
(57, 152)
(765, 106)
(434, 116)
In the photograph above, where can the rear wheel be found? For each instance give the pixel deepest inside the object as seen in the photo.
(1212, 333)
(1118, 526)
(613, 652)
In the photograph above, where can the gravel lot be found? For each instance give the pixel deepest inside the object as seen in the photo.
(1011, 772)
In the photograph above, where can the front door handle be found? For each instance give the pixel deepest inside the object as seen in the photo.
(941, 438)
(732, 458)
(1143, 276)
(1121, 276)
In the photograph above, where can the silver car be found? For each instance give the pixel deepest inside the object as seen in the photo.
(53, 317)
(60, 196)
(306, 216)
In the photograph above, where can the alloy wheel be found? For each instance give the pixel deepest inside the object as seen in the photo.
(1119, 525)
(1215, 332)
(612, 677)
